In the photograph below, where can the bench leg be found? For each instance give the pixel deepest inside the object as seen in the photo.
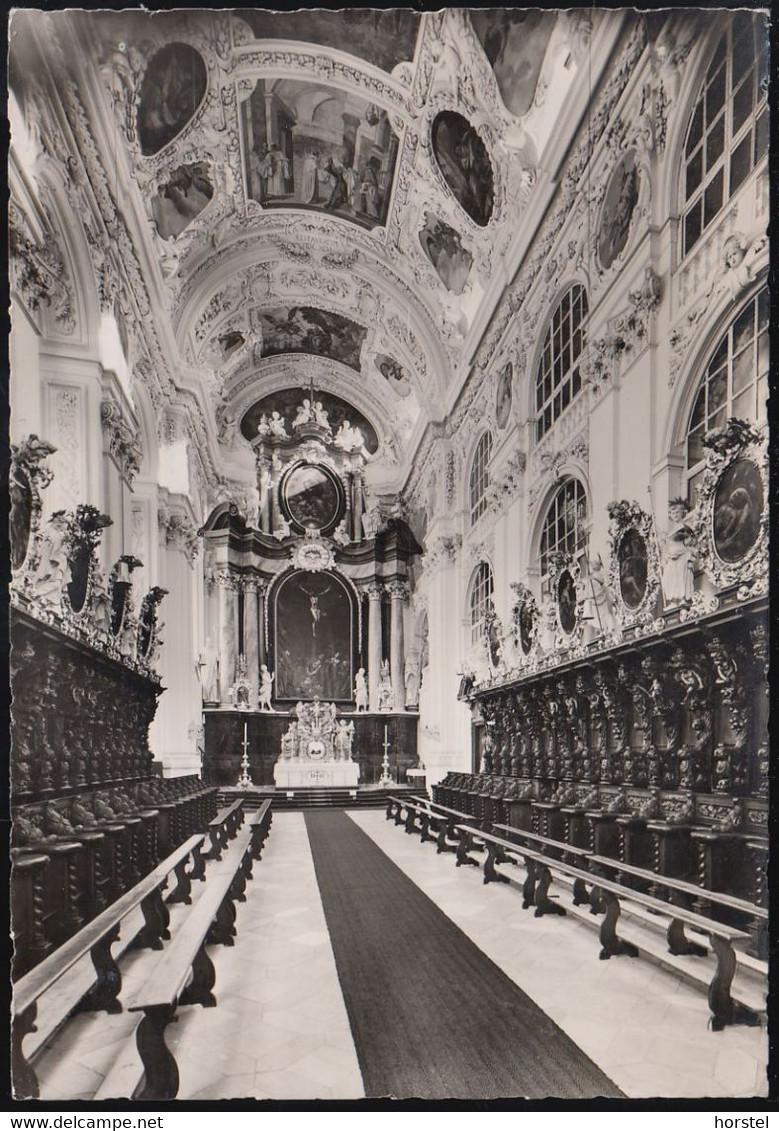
(724, 1010)
(24, 1080)
(491, 875)
(441, 845)
(580, 893)
(398, 818)
(545, 905)
(222, 929)
(198, 863)
(678, 943)
(611, 946)
(198, 992)
(462, 856)
(238, 886)
(159, 1064)
(390, 807)
(181, 892)
(529, 886)
(410, 823)
(109, 978)
(155, 922)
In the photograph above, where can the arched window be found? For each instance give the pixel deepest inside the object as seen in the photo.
(565, 526)
(728, 130)
(735, 382)
(481, 600)
(480, 476)
(558, 379)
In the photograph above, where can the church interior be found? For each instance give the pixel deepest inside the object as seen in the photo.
(389, 464)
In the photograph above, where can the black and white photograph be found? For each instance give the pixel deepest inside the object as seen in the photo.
(388, 506)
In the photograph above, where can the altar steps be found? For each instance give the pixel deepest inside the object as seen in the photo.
(372, 797)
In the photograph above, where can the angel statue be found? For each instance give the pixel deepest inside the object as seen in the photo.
(266, 689)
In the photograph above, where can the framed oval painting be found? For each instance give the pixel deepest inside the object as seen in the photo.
(738, 511)
(632, 560)
(172, 89)
(527, 621)
(567, 601)
(464, 164)
(311, 496)
(619, 205)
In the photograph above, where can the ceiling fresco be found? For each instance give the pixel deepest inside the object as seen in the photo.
(312, 183)
(515, 43)
(307, 145)
(305, 329)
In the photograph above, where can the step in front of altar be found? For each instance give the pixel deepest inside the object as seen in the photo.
(371, 797)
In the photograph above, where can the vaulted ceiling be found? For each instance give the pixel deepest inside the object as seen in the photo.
(333, 198)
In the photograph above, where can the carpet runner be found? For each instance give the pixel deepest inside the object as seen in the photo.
(431, 1015)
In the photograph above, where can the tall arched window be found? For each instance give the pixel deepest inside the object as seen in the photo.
(558, 379)
(481, 600)
(480, 476)
(565, 526)
(735, 382)
(728, 130)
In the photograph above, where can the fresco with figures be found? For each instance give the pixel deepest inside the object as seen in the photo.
(383, 38)
(307, 145)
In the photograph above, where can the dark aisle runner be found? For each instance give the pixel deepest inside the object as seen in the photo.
(431, 1015)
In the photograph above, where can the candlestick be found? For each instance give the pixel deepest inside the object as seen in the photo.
(245, 780)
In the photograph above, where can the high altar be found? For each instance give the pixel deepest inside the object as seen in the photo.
(316, 750)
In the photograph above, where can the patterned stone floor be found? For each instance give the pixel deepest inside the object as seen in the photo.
(280, 1030)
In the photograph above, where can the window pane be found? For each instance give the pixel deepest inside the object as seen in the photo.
(693, 486)
(715, 142)
(744, 405)
(718, 419)
(762, 397)
(694, 173)
(715, 95)
(762, 308)
(743, 47)
(743, 371)
(721, 356)
(743, 101)
(712, 200)
(761, 136)
(695, 129)
(762, 353)
(740, 163)
(718, 392)
(744, 328)
(695, 448)
(692, 227)
(696, 419)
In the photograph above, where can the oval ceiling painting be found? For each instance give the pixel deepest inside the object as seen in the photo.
(464, 163)
(172, 89)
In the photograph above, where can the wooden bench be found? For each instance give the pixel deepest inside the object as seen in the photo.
(185, 974)
(580, 894)
(223, 828)
(96, 939)
(607, 894)
(702, 895)
(260, 827)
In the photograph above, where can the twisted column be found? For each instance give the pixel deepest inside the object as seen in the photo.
(251, 629)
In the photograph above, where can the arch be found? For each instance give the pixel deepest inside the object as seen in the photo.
(698, 352)
(561, 523)
(723, 134)
(480, 592)
(479, 476)
(732, 382)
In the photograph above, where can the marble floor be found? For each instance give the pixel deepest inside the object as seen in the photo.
(280, 1030)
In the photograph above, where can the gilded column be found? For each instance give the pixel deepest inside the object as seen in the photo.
(375, 649)
(398, 595)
